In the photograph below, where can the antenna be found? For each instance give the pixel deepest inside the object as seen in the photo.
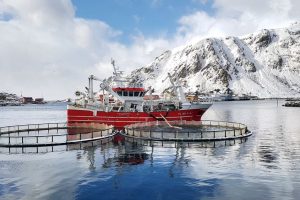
(116, 72)
(112, 61)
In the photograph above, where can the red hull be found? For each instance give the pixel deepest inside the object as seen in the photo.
(121, 119)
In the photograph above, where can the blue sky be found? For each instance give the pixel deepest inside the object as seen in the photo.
(152, 18)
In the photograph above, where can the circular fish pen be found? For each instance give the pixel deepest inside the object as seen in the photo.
(51, 134)
(187, 131)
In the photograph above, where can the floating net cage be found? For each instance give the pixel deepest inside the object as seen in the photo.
(52, 134)
(63, 136)
(189, 131)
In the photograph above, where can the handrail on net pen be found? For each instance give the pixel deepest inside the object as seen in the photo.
(28, 125)
(37, 141)
(202, 122)
(17, 128)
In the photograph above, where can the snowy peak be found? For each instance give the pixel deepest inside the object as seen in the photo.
(265, 63)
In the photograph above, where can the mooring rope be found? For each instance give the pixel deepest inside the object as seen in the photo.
(169, 123)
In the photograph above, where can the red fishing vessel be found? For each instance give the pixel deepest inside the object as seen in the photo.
(121, 102)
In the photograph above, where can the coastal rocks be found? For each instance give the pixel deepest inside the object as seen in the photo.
(8, 99)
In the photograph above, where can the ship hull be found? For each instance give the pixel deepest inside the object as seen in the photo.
(121, 119)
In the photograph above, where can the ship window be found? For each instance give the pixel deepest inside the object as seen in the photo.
(125, 93)
(169, 107)
(136, 94)
(119, 93)
(115, 108)
(142, 94)
(130, 94)
(133, 106)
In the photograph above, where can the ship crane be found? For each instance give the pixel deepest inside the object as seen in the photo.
(91, 87)
(105, 86)
(177, 88)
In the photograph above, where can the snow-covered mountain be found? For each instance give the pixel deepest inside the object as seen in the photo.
(265, 64)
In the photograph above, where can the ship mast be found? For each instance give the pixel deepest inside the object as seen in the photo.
(114, 66)
(117, 73)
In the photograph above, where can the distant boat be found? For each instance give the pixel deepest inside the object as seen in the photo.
(244, 97)
(292, 104)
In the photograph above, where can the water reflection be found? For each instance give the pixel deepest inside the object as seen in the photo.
(266, 166)
(268, 156)
(128, 154)
(132, 158)
(179, 160)
(173, 144)
(90, 157)
(56, 148)
(140, 172)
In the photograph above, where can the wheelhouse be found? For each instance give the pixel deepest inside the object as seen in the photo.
(130, 92)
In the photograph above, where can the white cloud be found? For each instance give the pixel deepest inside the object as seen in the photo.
(238, 17)
(45, 49)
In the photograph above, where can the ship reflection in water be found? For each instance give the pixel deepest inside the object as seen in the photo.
(133, 158)
(127, 158)
(266, 166)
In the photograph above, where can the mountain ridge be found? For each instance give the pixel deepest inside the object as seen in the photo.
(264, 64)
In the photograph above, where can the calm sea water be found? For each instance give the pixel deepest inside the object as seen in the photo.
(266, 166)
